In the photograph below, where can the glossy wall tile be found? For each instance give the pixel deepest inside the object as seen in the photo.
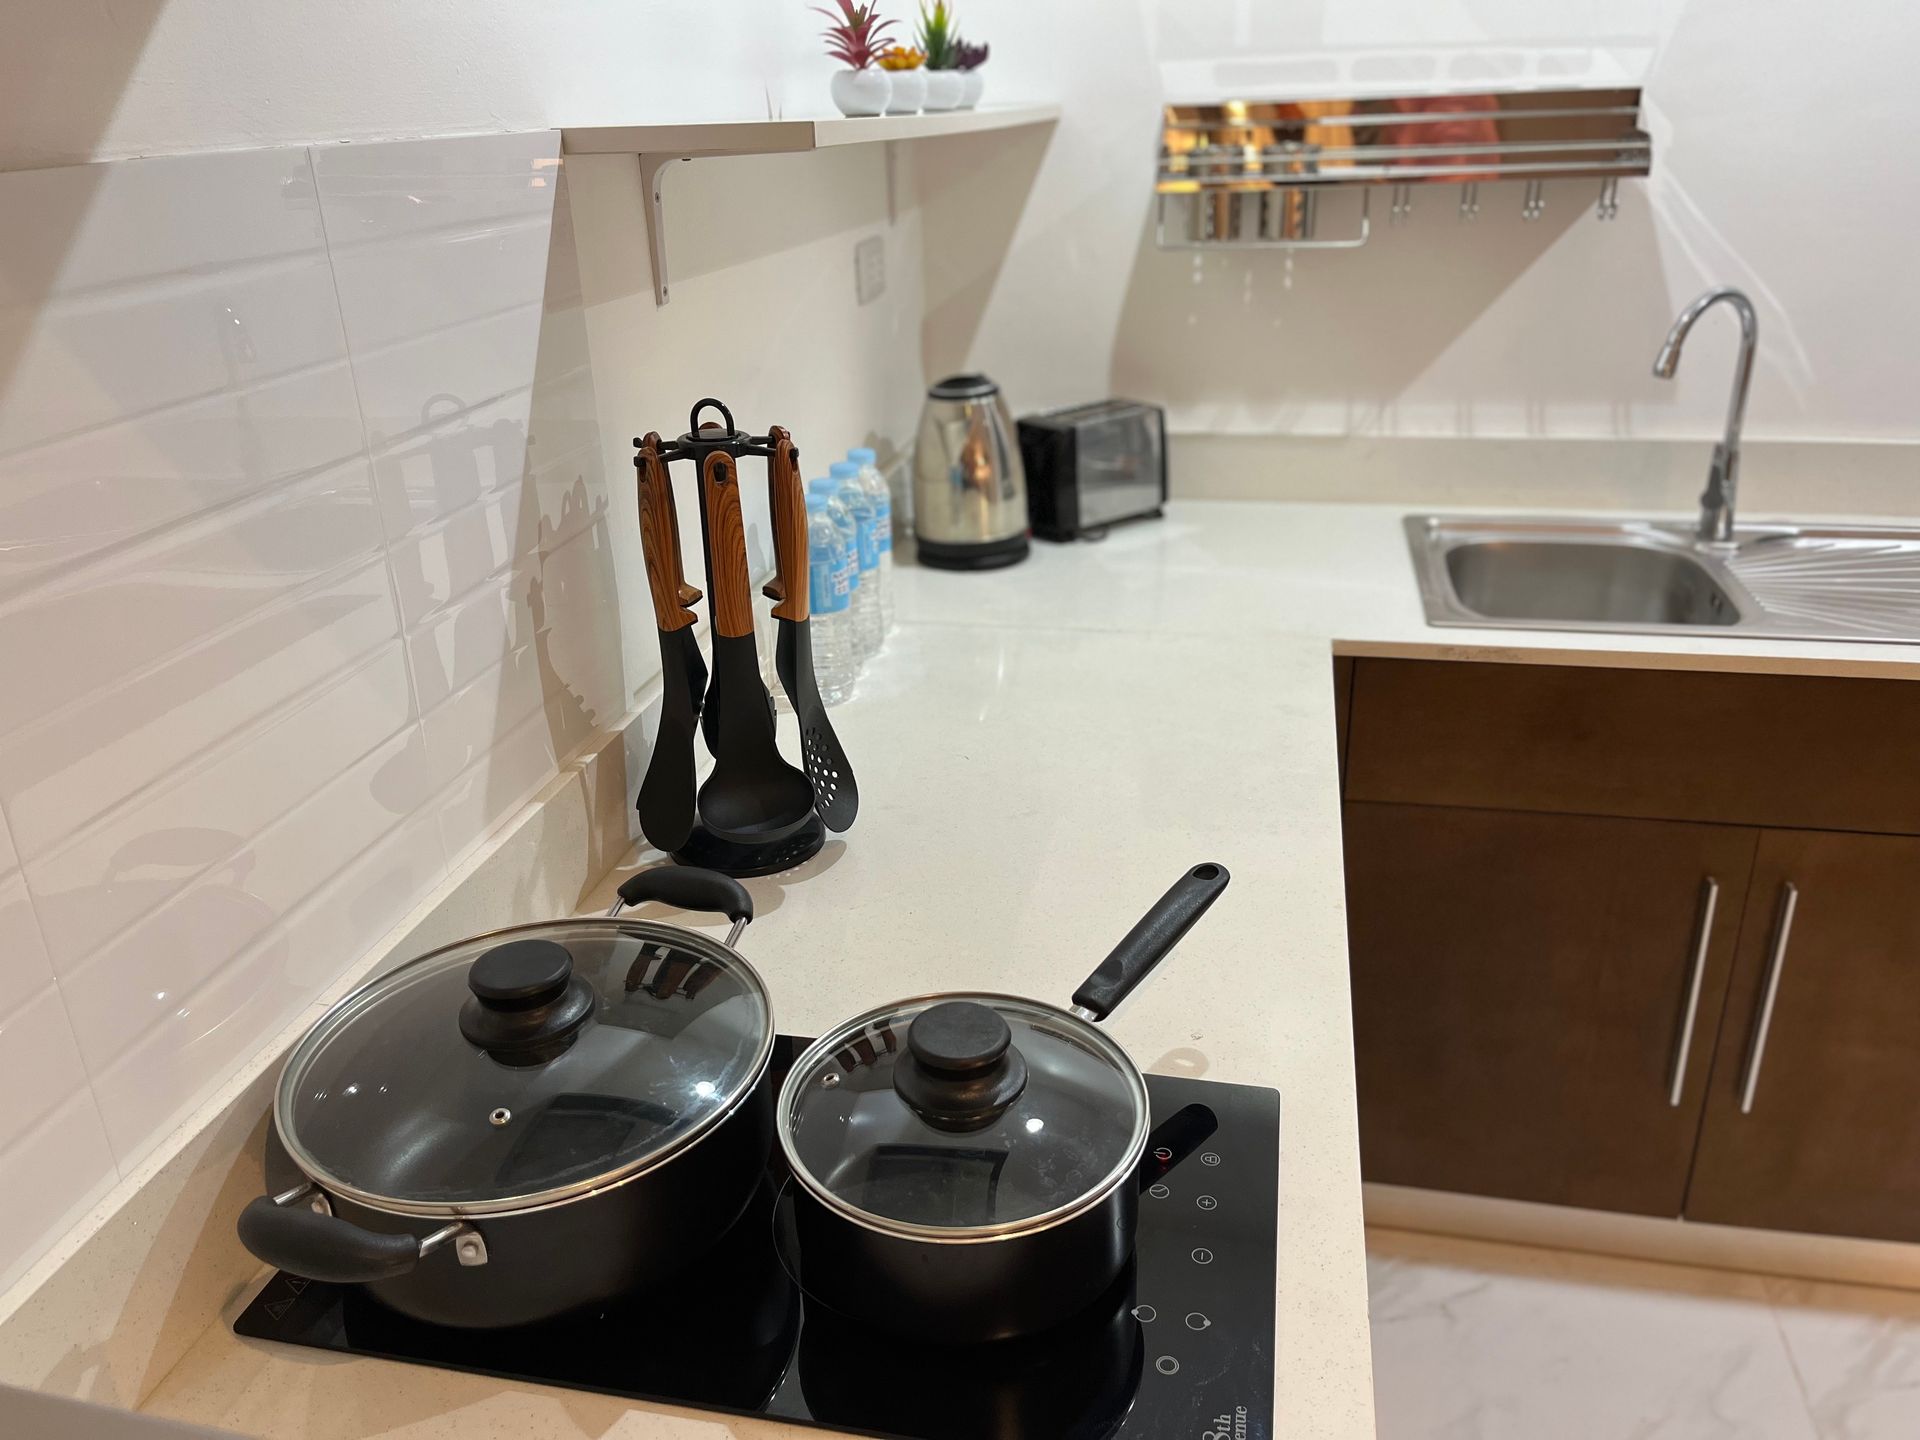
(306, 588)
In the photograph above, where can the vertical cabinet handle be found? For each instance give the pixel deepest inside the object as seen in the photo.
(1703, 936)
(1776, 962)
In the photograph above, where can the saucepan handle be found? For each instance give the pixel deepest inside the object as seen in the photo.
(285, 1232)
(687, 887)
(1150, 941)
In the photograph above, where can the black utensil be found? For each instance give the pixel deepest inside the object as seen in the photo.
(696, 664)
(834, 789)
(753, 796)
(666, 798)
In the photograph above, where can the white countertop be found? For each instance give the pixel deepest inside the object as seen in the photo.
(1042, 750)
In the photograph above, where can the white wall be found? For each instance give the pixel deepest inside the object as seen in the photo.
(306, 587)
(764, 317)
(1781, 135)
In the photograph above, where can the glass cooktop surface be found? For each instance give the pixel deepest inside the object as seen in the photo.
(1179, 1348)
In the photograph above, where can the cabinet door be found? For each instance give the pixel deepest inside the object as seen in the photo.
(1535, 998)
(1813, 1112)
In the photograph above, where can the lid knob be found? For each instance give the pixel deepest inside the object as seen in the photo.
(520, 974)
(526, 1004)
(961, 1068)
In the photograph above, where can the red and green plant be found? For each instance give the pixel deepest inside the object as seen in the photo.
(854, 36)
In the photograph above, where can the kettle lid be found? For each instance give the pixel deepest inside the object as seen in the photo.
(963, 387)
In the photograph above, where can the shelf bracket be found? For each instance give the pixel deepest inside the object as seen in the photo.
(653, 169)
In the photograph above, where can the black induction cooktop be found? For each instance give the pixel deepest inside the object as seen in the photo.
(1179, 1348)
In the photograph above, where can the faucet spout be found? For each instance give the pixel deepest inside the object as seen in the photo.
(1723, 476)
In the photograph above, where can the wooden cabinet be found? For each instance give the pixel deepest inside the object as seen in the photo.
(1819, 1128)
(1523, 988)
(1528, 851)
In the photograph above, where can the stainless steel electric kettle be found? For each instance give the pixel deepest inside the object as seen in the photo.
(969, 490)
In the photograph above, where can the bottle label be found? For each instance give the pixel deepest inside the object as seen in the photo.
(863, 532)
(848, 574)
(882, 523)
(826, 583)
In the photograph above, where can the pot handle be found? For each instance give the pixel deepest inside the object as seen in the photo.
(1149, 942)
(689, 888)
(312, 1242)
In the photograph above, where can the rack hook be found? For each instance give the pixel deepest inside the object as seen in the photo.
(1470, 200)
(1609, 205)
(1402, 203)
(1535, 204)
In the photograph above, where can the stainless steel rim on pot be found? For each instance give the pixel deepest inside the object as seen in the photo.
(573, 1108)
(967, 1166)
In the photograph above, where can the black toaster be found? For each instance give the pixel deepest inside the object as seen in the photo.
(1091, 466)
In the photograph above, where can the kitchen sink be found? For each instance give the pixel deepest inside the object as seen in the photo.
(1650, 577)
(1628, 584)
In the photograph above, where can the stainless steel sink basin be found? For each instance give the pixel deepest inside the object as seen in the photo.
(1602, 584)
(1807, 583)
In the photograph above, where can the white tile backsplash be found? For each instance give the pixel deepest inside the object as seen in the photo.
(306, 586)
(39, 1063)
(23, 956)
(63, 770)
(52, 1173)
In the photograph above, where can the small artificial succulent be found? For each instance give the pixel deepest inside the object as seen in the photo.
(854, 36)
(936, 35)
(967, 55)
(902, 57)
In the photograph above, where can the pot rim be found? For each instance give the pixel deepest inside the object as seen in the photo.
(639, 1167)
(1092, 1198)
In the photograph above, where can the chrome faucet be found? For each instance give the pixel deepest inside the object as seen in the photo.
(1723, 478)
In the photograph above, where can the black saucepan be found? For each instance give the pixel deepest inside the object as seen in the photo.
(532, 1121)
(967, 1167)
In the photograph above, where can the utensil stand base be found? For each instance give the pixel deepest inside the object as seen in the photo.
(710, 852)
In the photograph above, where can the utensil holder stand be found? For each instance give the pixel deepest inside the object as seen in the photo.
(790, 840)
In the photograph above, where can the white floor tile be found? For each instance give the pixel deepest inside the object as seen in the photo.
(1490, 1342)
(1857, 1352)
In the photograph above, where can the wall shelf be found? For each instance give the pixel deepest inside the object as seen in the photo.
(658, 146)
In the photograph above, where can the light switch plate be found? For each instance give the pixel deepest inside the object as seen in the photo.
(870, 269)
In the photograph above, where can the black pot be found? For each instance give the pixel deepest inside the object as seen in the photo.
(967, 1167)
(529, 1122)
(1073, 1383)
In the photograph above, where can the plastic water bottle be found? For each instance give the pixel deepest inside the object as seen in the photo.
(848, 553)
(867, 630)
(829, 601)
(875, 484)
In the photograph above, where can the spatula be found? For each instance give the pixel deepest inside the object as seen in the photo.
(666, 798)
(834, 791)
(753, 796)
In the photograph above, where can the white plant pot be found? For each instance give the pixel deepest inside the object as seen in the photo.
(861, 92)
(909, 91)
(972, 82)
(943, 89)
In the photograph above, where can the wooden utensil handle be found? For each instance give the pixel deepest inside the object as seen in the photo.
(727, 539)
(789, 499)
(659, 539)
(688, 595)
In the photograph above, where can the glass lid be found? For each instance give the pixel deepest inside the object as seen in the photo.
(524, 1066)
(963, 1116)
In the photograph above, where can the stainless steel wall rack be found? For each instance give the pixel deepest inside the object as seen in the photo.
(1249, 174)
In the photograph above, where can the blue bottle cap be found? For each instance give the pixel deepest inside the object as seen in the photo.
(843, 470)
(862, 455)
(818, 500)
(822, 485)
